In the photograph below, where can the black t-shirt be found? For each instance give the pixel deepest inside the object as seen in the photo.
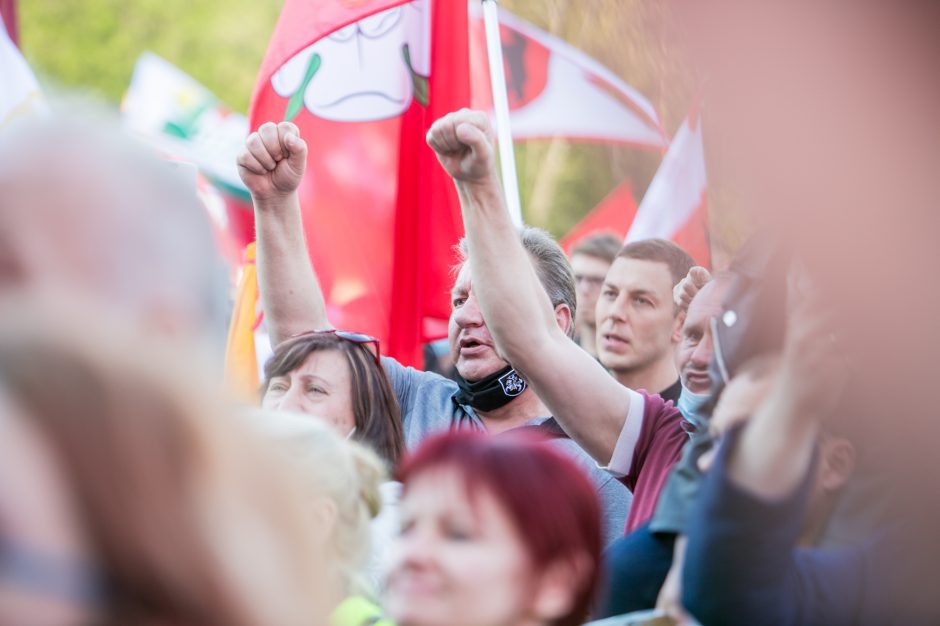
(672, 392)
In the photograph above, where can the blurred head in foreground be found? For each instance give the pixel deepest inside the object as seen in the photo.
(341, 481)
(494, 530)
(128, 495)
(831, 145)
(86, 210)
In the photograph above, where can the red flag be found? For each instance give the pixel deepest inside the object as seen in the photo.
(8, 17)
(364, 79)
(614, 214)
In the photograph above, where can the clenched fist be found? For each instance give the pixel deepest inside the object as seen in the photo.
(463, 141)
(273, 160)
(685, 291)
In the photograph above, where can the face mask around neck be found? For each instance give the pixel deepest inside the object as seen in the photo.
(493, 392)
(695, 407)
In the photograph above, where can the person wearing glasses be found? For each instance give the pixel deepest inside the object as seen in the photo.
(489, 395)
(591, 257)
(338, 377)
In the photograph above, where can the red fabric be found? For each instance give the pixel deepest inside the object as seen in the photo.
(693, 236)
(658, 448)
(615, 213)
(380, 216)
(428, 222)
(8, 11)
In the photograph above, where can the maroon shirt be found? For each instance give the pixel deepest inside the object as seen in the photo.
(646, 452)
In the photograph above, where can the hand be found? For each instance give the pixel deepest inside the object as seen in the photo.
(273, 160)
(683, 293)
(669, 600)
(463, 142)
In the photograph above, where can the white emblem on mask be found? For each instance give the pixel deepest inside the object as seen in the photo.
(512, 383)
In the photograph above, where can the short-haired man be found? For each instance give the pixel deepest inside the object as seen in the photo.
(638, 324)
(591, 257)
(637, 565)
(489, 395)
(637, 435)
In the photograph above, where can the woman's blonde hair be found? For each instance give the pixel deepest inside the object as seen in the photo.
(341, 470)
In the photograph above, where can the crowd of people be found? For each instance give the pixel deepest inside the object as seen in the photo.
(626, 435)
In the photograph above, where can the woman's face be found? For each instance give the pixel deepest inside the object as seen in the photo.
(321, 386)
(458, 560)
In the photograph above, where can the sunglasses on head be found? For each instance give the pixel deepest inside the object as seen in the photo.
(349, 336)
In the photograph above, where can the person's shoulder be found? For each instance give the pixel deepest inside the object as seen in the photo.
(658, 411)
(418, 377)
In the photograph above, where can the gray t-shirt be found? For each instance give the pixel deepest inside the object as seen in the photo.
(428, 405)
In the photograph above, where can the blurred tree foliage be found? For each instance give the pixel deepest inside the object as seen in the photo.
(93, 44)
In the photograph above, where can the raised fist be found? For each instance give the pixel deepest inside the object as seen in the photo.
(463, 141)
(273, 160)
(685, 291)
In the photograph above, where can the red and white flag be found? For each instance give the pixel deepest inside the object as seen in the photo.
(364, 80)
(675, 205)
(556, 90)
(19, 92)
(613, 214)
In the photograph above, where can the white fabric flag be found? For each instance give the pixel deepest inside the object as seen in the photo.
(674, 206)
(19, 91)
(556, 90)
(677, 189)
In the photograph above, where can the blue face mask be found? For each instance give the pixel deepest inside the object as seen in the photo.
(693, 407)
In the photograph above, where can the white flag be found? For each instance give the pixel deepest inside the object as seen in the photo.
(674, 206)
(19, 91)
(556, 90)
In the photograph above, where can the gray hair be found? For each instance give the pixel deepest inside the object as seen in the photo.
(551, 266)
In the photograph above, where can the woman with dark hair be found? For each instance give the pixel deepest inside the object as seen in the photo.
(494, 530)
(335, 375)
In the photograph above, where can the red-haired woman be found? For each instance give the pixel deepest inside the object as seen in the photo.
(495, 530)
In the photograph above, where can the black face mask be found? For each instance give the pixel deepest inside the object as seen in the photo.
(494, 391)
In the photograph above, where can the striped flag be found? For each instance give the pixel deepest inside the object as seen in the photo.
(675, 205)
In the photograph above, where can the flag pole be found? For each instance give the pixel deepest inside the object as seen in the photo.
(507, 159)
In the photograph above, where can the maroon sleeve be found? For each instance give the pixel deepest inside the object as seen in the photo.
(658, 448)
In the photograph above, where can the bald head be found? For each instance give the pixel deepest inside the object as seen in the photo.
(694, 354)
(83, 209)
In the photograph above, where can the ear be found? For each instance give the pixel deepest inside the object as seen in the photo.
(838, 463)
(563, 317)
(677, 328)
(558, 586)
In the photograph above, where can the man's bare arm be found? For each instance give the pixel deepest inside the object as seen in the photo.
(582, 396)
(272, 166)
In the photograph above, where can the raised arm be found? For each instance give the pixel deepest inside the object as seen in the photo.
(776, 448)
(272, 165)
(582, 396)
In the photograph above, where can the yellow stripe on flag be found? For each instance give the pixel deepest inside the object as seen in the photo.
(241, 362)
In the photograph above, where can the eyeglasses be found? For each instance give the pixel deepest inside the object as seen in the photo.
(349, 336)
(591, 281)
